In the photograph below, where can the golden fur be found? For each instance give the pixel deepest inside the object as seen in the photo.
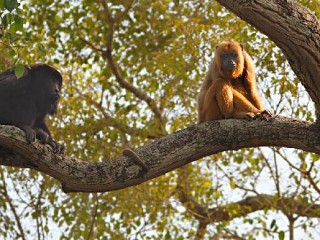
(229, 93)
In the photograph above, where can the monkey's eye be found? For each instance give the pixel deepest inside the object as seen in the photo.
(224, 56)
(57, 81)
(233, 54)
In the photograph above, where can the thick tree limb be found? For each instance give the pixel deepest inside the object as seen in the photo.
(294, 28)
(161, 156)
(205, 216)
(247, 206)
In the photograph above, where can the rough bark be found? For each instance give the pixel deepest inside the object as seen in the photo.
(161, 156)
(294, 28)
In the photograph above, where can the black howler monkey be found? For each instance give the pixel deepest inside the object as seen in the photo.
(25, 102)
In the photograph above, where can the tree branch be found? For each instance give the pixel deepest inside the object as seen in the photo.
(161, 156)
(114, 122)
(247, 206)
(201, 230)
(294, 28)
(5, 194)
(305, 173)
(124, 83)
(205, 216)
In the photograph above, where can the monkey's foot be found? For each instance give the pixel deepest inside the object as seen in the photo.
(265, 115)
(251, 115)
(57, 147)
(30, 134)
(60, 148)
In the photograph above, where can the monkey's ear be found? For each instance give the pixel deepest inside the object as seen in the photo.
(241, 45)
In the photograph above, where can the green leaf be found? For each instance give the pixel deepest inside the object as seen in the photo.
(42, 49)
(18, 22)
(10, 4)
(168, 235)
(6, 20)
(12, 53)
(19, 70)
(304, 166)
(273, 223)
(281, 235)
(217, 195)
(232, 185)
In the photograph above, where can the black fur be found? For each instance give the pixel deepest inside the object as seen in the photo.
(25, 102)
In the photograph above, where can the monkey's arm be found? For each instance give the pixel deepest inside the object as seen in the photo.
(224, 98)
(44, 135)
(200, 101)
(207, 104)
(203, 91)
(244, 108)
(40, 123)
(250, 82)
(253, 93)
(217, 101)
(30, 133)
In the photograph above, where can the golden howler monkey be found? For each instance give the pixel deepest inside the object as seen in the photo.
(229, 88)
(26, 101)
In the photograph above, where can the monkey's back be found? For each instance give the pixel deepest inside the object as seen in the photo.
(16, 104)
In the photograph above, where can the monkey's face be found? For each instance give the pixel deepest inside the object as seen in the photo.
(53, 96)
(47, 92)
(229, 61)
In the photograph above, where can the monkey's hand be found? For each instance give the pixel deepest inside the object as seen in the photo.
(30, 133)
(60, 148)
(56, 147)
(265, 114)
(251, 115)
(45, 138)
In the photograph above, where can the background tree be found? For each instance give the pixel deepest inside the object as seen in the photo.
(132, 72)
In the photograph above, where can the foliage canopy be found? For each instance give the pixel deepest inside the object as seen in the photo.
(162, 50)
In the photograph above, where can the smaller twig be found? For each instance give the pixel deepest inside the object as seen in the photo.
(93, 216)
(93, 47)
(12, 207)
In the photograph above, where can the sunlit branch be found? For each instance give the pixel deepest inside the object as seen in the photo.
(247, 206)
(161, 156)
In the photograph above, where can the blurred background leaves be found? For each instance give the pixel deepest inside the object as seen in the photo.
(163, 48)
